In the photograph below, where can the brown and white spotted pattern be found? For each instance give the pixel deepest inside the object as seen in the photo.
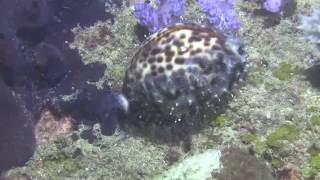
(179, 70)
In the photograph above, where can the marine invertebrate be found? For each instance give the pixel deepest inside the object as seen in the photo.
(277, 6)
(181, 72)
(221, 14)
(166, 13)
(273, 6)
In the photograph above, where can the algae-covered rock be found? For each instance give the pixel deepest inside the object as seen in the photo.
(312, 169)
(109, 43)
(283, 134)
(239, 164)
(310, 26)
(230, 163)
(249, 137)
(284, 71)
(196, 167)
(106, 157)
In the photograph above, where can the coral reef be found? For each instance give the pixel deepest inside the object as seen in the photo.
(114, 48)
(44, 73)
(106, 157)
(274, 116)
(166, 13)
(221, 14)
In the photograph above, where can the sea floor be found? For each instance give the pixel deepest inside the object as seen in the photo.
(273, 119)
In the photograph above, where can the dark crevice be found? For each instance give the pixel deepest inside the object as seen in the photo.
(31, 36)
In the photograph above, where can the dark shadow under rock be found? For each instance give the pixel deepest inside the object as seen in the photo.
(313, 76)
(17, 141)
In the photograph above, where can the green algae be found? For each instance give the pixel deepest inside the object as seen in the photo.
(315, 120)
(248, 138)
(269, 86)
(284, 71)
(286, 132)
(220, 120)
(315, 163)
(312, 109)
(315, 148)
(255, 79)
(313, 167)
(255, 75)
(277, 163)
(260, 147)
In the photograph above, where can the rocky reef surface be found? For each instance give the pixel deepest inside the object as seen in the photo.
(40, 73)
(272, 123)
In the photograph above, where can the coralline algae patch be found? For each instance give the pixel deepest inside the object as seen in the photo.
(200, 166)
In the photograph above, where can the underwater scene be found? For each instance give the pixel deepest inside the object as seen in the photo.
(160, 89)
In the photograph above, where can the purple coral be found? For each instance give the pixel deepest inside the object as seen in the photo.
(221, 14)
(273, 6)
(166, 13)
(276, 6)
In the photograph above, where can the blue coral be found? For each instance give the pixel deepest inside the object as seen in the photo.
(221, 14)
(166, 13)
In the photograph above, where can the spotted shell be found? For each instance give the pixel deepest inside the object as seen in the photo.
(180, 72)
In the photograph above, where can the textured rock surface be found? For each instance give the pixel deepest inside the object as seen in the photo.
(17, 141)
